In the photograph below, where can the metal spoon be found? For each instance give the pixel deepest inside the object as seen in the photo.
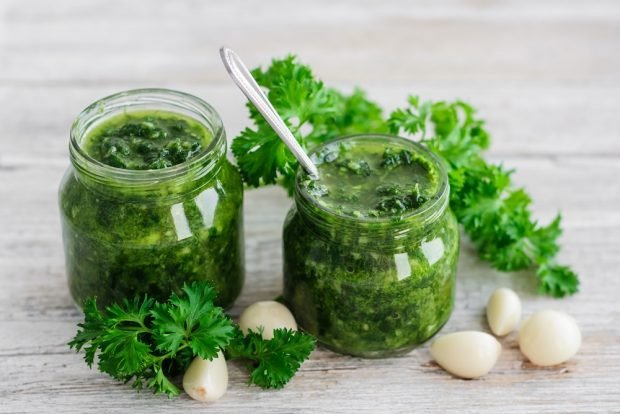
(244, 80)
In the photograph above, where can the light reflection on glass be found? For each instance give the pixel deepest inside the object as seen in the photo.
(206, 203)
(181, 224)
(433, 250)
(403, 268)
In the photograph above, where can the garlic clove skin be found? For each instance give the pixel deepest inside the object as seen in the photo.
(269, 315)
(503, 311)
(466, 354)
(206, 380)
(549, 337)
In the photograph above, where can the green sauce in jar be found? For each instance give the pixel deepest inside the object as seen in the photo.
(370, 249)
(147, 140)
(151, 201)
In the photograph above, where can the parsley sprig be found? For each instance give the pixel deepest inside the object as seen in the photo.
(271, 363)
(494, 212)
(313, 112)
(147, 343)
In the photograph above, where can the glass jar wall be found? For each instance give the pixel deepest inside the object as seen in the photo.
(132, 232)
(365, 286)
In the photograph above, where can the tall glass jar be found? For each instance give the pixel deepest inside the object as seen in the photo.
(135, 232)
(371, 287)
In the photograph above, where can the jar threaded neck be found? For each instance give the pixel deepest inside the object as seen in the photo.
(144, 182)
(328, 222)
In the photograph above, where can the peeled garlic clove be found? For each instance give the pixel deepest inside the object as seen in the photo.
(466, 354)
(549, 337)
(206, 380)
(269, 315)
(503, 311)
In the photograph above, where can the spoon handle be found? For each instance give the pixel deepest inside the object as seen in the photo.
(244, 80)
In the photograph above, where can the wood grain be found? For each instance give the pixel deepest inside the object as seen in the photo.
(546, 75)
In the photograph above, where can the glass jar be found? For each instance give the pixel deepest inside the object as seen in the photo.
(135, 232)
(371, 287)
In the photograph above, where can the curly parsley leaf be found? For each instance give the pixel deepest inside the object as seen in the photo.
(272, 362)
(159, 382)
(352, 114)
(557, 280)
(291, 87)
(262, 156)
(192, 319)
(412, 119)
(89, 332)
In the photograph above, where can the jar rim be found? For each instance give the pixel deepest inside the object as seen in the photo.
(110, 105)
(434, 207)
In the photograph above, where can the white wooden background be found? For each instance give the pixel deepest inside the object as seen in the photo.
(546, 75)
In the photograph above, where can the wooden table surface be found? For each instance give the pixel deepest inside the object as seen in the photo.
(546, 75)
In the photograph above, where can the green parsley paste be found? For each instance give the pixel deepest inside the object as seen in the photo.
(151, 203)
(370, 248)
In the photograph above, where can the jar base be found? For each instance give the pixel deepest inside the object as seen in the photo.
(393, 353)
(379, 354)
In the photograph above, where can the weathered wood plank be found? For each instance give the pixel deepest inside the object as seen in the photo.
(140, 41)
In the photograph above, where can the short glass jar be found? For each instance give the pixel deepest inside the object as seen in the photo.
(135, 232)
(371, 287)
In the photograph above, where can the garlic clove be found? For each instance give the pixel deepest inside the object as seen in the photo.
(503, 311)
(269, 315)
(466, 354)
(549, 337)
(206, 380)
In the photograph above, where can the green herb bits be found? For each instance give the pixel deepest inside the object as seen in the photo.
(150, 201)
(370, 249)
(147, 140)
